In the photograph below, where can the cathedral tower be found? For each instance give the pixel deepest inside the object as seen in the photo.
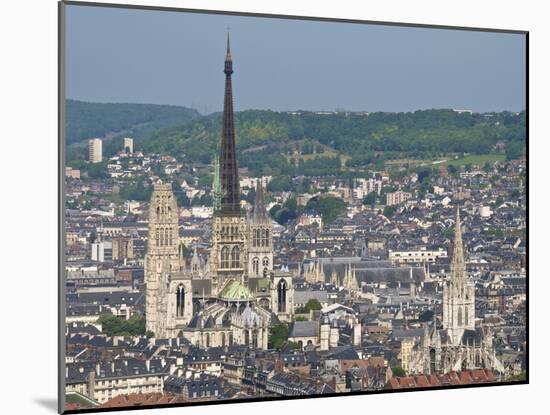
(228, 257)
(162, 255)
(458, 294)
(260, 237)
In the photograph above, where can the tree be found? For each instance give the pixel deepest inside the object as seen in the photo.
(280, 184)
(389, 211)
(424, 174)
(451, 168)
(328, 206)
(182, 199)
(312, 304)
(515, 150)
(370, 199)
(398, 371)
(183, 250)
(278, 335)
(285, 215)
(274, 210)
(119, 326)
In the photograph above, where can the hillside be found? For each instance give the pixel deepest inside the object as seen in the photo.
(278, 142)
(90, 119)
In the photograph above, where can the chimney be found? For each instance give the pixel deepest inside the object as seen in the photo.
(91, 384)
(148, 365)
(97, 368)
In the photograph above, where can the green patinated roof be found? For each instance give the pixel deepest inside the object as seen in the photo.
(264, 283)
(234, 290)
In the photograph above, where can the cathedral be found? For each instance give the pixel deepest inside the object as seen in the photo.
(234, 295)
(459, 345)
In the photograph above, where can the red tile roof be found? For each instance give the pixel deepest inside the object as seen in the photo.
(466, 377)
(140, 400)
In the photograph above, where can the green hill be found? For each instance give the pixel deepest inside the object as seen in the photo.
(279, 142)
(90, 119)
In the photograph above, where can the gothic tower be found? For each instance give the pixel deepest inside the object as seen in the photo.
(228, 256)
(162, 257)
(458, 294)
(260, 238)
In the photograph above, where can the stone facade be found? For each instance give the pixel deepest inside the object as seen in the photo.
(229, 298)
(459, 345)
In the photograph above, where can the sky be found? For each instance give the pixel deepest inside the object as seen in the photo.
(176, 58)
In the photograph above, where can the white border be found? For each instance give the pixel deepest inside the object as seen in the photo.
(28, 97)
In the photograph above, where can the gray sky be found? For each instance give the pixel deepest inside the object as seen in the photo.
(159, 57)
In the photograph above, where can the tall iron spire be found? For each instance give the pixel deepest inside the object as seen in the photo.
(216, 186)
(230, 200)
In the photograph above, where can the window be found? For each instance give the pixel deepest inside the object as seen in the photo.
(256, 238)
(180, 300)
(460, 316)
(256, 266)
(263, 238)
(466, 316)
(281, 296)
(235, 257)
(225, 257)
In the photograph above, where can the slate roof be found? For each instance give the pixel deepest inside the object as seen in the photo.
(302, 297)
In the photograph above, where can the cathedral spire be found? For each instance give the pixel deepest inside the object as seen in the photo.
(216, 186)
(228, 51)
(458, 268)
(259, 205)
(230, 203)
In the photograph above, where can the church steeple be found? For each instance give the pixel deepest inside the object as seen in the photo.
(230, 200)
(458, 268)
(259, 212)
(216, 186)
(459, 294)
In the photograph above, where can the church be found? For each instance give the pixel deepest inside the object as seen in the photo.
(235, 295)
(460, 344)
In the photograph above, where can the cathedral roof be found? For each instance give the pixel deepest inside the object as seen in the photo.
(250, 317)
(235, 291)
(259, 285)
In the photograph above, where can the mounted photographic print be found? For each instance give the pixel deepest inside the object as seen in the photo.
(259, 207)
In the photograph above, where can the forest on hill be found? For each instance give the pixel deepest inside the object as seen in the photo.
(273, 142)
(109, 121)
(300, 142)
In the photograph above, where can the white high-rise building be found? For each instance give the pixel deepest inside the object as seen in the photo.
(129, 145)
(95, 150)
(102, 251)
